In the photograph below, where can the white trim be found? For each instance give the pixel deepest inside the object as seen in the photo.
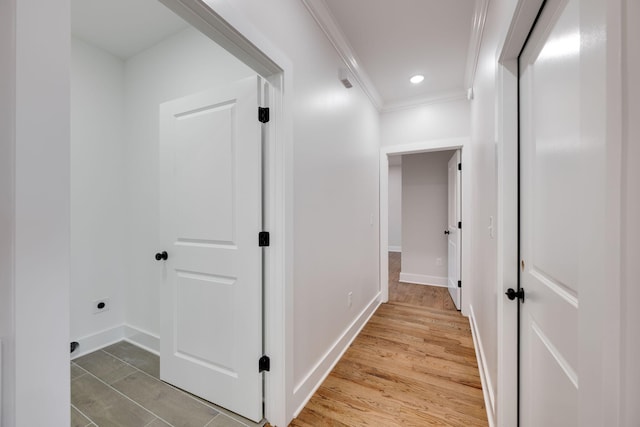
(321, 13)
(204, 18)
(522, 21)
(326, 21)
(485, 378)
(395, 248)
(228, 26)
(507, 223)
(1, 387)
(93, 342)
(305, 389)
(475, 42)
(425, 146)
(423, 279)
(124, 332)
(467, 197)
(142, 339)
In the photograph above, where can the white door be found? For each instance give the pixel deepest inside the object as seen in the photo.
(211, 214)
(550, 155)
(454, 233)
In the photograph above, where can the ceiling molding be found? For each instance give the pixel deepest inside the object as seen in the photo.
(475, 41)
(437, 98)
(323, 16)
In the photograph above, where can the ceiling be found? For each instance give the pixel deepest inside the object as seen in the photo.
(123, 27)
(383, 42)
(386, 42)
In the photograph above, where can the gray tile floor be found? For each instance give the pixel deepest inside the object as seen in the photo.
(119, 386)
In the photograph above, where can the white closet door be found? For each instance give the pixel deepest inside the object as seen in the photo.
(211, 214)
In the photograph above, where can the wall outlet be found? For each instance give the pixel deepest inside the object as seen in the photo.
(438, 261)
(101, 305)
(350, 299)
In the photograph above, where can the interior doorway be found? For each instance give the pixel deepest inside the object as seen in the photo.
(122, 70)
(388, 153)
(424, 216)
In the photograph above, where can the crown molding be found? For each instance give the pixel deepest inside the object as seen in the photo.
(436, 98)
(475, 41)
(327, 23)
(325, 19)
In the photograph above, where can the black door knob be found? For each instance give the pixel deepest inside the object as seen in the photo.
(447, 232)
(512, 294)
(162, 256)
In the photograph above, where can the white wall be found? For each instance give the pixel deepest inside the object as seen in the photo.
(483, 296)
(441, 120)
(183, 64)
(424, 218)
(98, 191)
(114, 177)
(395, 208)
(35, 139)
(335, 195)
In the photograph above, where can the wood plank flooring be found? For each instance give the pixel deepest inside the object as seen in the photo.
(413, 364)
(408, 293)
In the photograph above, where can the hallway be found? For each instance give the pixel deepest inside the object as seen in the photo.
(412, 364)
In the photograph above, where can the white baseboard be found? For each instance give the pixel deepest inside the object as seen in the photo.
(487, 387)
(305, 389)
(422, 279)
(105, 338)
(142, 338)
(395, 249)
(93, 342)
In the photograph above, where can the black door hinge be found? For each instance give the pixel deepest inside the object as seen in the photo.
(460, 225)
(459, 283)
(264, 364)
(263, 115)
(263, 238)
(459, 166)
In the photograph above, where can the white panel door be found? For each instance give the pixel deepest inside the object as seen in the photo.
(454, 233)
(550, 152)
(211, 214)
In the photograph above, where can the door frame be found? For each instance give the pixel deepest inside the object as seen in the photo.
(603, 309)
(233, 31)
(461, 144)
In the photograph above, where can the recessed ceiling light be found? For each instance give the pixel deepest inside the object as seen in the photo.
(418, 78)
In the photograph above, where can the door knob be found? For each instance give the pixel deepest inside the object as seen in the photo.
(162, 256)
(511, 294)
(447, 232)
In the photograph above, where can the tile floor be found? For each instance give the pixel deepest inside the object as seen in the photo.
(119, 386)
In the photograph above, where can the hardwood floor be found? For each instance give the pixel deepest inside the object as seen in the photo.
(420, 295)
(413, 364)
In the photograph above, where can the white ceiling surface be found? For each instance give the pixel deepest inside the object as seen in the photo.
(396, 39)
(123, 27)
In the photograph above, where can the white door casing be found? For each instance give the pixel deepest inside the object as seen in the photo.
(550, 154)
(454, 237)
(211, 214)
